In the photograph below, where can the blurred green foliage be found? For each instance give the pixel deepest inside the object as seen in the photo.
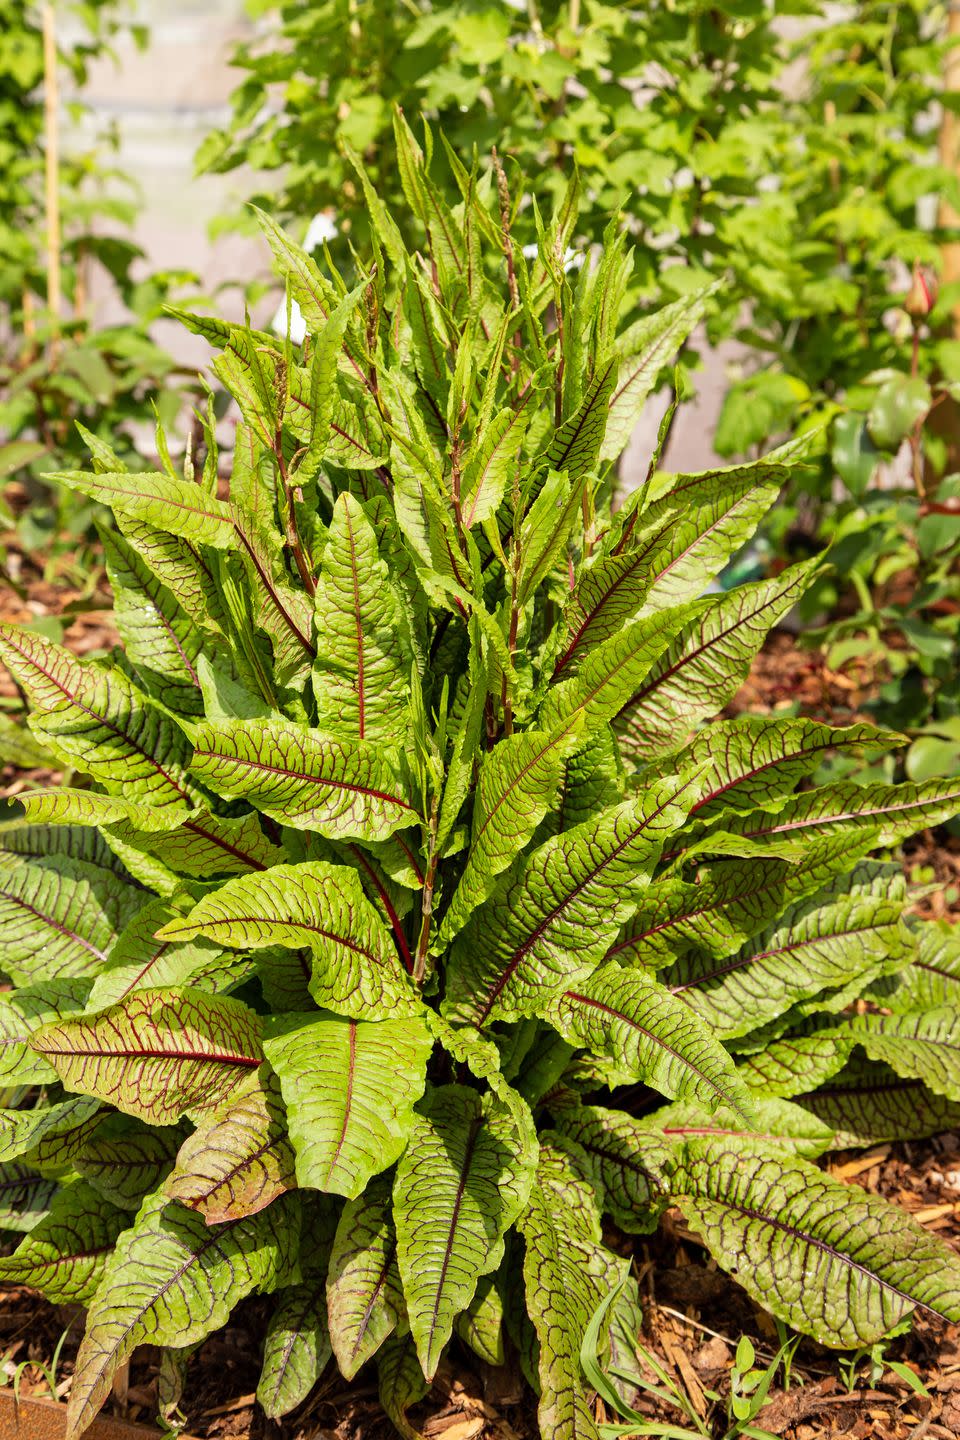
(56, 370)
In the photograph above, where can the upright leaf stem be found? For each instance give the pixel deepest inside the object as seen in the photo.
(426, 909)
(293, 534)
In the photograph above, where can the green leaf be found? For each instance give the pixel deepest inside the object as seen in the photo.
(869, 1103)
(840, 1263)
(125, 1160)
(317, 297)
(933, 980)
(823, 942)
(356, 969)
(23, 1012)
(66, 1253)
(650, 1036)
(460, 1184)
(25, 1197)
(296, 1347)
(238, 1160)
(489, 463)
(157, 1054)
(170, 505)
(172, 1281)
(59, 918)
(401, 1382)
(623, 1162)
(798, 1062)
(919, 1045)
(575, 447)
(681, 542)
(364, 1292)
(52, 1140)
(94, 718)
(846, 808)
(706, 663)
(646, 348)
(567, 1273)
(160, 639)
(342, 789)
(516, 786)
(609, 675)
(545, 533)
(139, 961)
(481, 1325)
(775, 1122)
(730, 900)
(183, 571)
(900, 403)
(755, 760)
(23, 1130)
(364, 653)
(349, 1088)
(548, 924)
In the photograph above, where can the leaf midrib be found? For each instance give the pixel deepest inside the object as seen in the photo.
(288, 774)
(518, 955)
(805, 1237)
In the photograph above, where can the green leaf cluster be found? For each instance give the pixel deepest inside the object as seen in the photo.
(408, 909)
(788, 147)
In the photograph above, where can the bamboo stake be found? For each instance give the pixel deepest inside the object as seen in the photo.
(51, 98)
(950, 153)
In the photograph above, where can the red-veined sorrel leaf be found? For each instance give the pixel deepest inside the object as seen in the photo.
(706, 662)
(461, 1182)
(553, 921)
(343, 789)
(839, 1262)
(364, 1292)
(171, 1281)
(66, 1253)
(361, 676)
(649, 1035)
(238, 1160)
(157, 1054)
(356, 968)
(97, 720)
(567, 1272)
(349, 1087)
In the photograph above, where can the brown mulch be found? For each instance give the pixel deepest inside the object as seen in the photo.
(786, 674)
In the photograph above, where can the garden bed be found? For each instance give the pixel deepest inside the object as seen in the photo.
(693, 1318)
(693, 1315)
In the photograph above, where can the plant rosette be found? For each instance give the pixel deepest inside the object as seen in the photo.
(408, 909)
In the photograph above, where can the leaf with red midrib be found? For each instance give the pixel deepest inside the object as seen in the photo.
(361, 678)
(460, 1184)
(157, 1054)
(551, 921)
(172, 1281)
(843, 1265)
(95, 718)
(349, 1088)
(344, 789)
